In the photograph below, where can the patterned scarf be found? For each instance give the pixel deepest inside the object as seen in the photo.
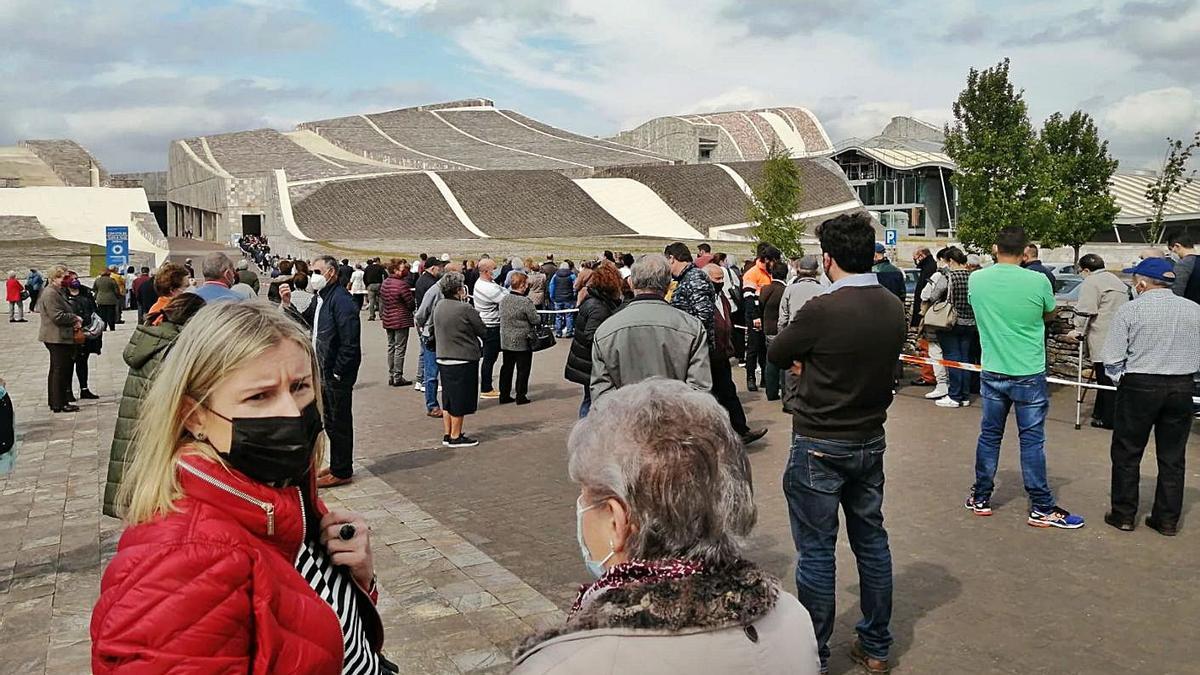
(636, 572)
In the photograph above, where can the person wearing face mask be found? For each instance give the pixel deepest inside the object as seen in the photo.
(230, 561)
(335, 326)
(219, 278)
(665, 500)
(1152, 352)
(83, 304)
(1100, 296)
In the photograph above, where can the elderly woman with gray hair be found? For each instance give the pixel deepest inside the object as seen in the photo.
(665, 501)
(457, 332)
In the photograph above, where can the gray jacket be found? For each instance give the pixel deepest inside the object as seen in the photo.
(1100, 296)
(649, 338)
(423, 317)
(518, 321)
(457, 330)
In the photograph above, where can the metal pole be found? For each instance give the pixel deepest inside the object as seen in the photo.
(1079, 390)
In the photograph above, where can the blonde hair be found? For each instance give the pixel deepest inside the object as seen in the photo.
(219, 339)
(57, 272)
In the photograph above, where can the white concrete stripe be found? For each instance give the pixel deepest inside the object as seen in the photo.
(401, 145)
(803, 215)
(761, 138)
(212, 158)
(505, 147)
(574, 140)
(791, 139)
(285, 206)
(637, 207)
(737, 178)
(353, 176)
(196, 158)
(452, 202)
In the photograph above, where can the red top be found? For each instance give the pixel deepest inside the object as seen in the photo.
(13, 289)
(211, 587)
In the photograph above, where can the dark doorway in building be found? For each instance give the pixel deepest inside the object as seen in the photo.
(252, 225)
(159, 209)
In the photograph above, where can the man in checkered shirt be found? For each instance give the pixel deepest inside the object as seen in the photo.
(1152, 352)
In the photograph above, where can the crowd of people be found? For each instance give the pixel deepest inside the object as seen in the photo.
(231, 408)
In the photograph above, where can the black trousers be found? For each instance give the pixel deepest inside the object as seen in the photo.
(58, 381)
(81, 368)
(109, 314)
(339, 426)
(1106, 401)
(522, 361)
(738, 336)
(491, 352)
(725, 391)
(756, 354)
(1164, 403)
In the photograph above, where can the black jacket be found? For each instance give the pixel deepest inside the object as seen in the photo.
(424, 282)
(344, 273)
(339, 352)
(147, 295)
(927, 266)
(595, 309)
(374, 274)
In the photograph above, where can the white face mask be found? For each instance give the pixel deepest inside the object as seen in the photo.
(317, 282)
(595, 567)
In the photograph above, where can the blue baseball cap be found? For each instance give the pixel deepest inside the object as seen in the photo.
(880, 248)
(1154, 268)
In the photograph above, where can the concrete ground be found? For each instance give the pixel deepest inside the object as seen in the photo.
(476, 547)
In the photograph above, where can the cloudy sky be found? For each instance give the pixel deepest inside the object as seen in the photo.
(125, 77)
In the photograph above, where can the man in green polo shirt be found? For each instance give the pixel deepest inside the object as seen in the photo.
(1011, 306)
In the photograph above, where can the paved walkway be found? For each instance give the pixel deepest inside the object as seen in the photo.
(447, 606)
(476, 547)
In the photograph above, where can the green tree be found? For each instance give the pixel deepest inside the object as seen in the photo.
(776, 203)
(1078, 170)
(999, 176)
(1169, 181)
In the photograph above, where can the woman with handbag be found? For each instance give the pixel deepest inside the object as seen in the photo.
(956, 321)
(16, 294)
(58, 331)
(519, 322)
(83, 303)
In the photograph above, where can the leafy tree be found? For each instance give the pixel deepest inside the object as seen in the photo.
(1170, 181)
(776, 203)
(1078, 171)
(1000, 174)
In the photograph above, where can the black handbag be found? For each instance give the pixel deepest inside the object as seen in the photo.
(543, 338)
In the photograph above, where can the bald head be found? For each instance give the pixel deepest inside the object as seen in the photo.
(486, 267)
(715, 272)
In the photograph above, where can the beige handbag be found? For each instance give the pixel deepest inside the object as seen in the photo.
(941, 315)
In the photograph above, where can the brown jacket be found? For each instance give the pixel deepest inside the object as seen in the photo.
(58, 321)
(742, 623)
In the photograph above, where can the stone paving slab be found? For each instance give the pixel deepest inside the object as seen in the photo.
(447, 607)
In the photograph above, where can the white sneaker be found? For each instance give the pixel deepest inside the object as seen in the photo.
(939, 391)
(417, 386)
(947, 402)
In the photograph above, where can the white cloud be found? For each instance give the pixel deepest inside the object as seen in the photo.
(1158, 112)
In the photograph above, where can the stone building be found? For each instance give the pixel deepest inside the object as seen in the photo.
(731, 136)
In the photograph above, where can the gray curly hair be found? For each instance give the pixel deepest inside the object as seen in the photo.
(668, 453)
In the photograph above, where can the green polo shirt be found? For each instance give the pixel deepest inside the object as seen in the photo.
(1009, 304)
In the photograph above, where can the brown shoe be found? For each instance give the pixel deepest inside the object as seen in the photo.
(323, 472)
(868, 662)
(436, 412)
(330, 480)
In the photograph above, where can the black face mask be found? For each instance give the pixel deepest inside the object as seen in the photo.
(274, 449)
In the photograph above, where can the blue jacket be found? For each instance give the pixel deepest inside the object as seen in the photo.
(562, 286)
(339, 351)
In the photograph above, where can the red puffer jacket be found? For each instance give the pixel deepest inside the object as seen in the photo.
(396, 297)
(211, 587)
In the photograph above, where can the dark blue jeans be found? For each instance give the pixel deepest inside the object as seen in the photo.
(956, 346)
(564, 324)
(822, 475)
(1028, 395)
(430, 375)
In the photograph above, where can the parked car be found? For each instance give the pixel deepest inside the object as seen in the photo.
(1066, 287)
(1057, 268)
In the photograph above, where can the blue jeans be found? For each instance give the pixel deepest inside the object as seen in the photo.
(586, 406)
(956, 346)
(1028, 394)
(564, 324)
(822, 475)
(429, 358)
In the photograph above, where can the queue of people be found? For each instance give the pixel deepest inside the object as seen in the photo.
(231, 406)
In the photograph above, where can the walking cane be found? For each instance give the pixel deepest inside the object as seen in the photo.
(1079, 389)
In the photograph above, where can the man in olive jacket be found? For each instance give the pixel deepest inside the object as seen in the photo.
(108, 298)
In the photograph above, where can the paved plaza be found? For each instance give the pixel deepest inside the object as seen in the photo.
(476, 547)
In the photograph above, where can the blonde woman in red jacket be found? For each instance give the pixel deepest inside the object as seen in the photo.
(231, 563)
